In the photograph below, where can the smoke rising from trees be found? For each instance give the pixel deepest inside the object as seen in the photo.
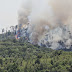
(47, 17)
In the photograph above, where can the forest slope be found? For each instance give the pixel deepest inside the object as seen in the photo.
(25, 57)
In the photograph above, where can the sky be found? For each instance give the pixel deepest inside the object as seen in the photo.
(9, 13)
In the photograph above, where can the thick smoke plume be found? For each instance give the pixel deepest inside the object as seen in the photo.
(51, 19)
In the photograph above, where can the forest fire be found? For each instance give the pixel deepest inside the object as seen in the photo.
(18, 34)
(46, 22)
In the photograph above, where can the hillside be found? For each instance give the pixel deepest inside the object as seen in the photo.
(25, 57)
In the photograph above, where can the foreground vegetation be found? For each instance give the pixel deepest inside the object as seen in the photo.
(25, 57)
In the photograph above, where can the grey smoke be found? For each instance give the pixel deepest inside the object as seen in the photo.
(49, 21)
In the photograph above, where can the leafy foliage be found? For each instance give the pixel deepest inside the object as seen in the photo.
(16, 56)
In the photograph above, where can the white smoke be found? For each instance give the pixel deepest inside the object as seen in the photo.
(50, 21)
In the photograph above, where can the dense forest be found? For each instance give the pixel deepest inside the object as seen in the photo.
(17, 56)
